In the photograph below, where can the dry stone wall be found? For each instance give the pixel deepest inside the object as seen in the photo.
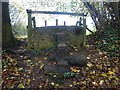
(45, 37)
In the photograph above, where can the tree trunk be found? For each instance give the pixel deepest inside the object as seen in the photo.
(100, 18)
(8, 39)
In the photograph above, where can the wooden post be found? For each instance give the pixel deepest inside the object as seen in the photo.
(84, 31)
(29, 29)
(64, 23)
(80, 22)
(45, 23)
(56, 22)
(34, 23)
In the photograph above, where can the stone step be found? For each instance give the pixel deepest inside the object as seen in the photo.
(62, 51)
(61, 37)
(63, 45)
(62, 62)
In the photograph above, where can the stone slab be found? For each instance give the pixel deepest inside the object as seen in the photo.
(56, 69)
(62, 62)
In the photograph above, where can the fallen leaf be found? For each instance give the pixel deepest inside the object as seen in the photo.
(29, 80)
(21, 85)
(101, 82)
(36, 63)
(40, 61)
(104, 75)
(57, 85)
(28, 60)
(40, 86)
(45, 58)
(88, 57)
(16, 74)
(41, 66)
(52, 83)
(54, 63)
(70, 85)
(20, 69)
(89, 64)
(74, 82)
(71, 53)
(110, 72)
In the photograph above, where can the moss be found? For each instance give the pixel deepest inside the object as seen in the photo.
(44, 38)
(8, 40)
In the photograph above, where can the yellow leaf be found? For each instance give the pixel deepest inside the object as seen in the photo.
(88, 57)
(89, 64)
(97, 74)
(74, 82)
(110, 72)
(52, 83)
(54, 63)
(100, 65)
(40, 61)
(32, 65)
(115, 77)
(104, 75)
(71, 53)
(101, 82)
(114, 70)
(73, 70)
(36, 63)
(45, 58)
(20, 85)
(20, 69)
(93, 83)
(96, 84)
(29, 80)
(28, 60)
(16, 68)
(91, 73)
(109, 68)
(29, 72)
(76, 49)
(40, 86)
(57, 85)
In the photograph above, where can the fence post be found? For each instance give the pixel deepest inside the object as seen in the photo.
(64, 23)
(80, 22)
(34, 23)
(84, 31)
(56, 22)
(45, 23)
(29, 29)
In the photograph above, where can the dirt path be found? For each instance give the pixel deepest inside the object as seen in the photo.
(25, 70)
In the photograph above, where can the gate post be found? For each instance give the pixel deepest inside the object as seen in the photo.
(29, 29)
(34, 22)
(84, 31)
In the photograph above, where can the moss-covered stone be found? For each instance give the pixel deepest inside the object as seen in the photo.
(44, 37)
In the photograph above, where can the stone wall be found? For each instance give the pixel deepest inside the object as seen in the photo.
(44, 37)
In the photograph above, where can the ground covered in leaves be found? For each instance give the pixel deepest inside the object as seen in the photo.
(22, 69)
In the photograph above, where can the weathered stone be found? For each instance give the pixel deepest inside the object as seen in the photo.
(57, 69)
(62, 45)
(44, 37)
(61, 37)
(62, 62)
(76, 61)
